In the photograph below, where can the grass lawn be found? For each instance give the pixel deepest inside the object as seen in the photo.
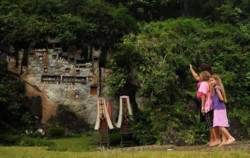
(42, 152)
(82, 147)
(75, 144)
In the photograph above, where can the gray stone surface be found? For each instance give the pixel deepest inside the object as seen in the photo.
(75, 96)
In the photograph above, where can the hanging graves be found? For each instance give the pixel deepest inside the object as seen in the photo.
(52, 79)
(81, 79)
(45, 70)
(93, 90)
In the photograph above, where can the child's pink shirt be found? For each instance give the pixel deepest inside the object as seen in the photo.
(204, 88)
(198, 95)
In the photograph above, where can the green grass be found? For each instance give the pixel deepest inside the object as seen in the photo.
(42, 152)
(75, 144)
(83, 147)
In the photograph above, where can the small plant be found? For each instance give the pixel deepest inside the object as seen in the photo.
(56, 131)
(9, 139)
(28, 141)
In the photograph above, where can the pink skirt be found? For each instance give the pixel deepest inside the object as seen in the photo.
(220, 118)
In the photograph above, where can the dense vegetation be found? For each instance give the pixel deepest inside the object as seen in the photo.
(157, 59)
(14, 114)
(152, 43)
(26, 24)
(154, 64)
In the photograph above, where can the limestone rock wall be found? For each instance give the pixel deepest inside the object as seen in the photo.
(66, 79)
(62, 80)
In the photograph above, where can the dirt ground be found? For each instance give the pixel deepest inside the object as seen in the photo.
(238, 145)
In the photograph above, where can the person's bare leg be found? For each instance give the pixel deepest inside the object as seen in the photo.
(211, 137)
(217, 133)
(229, 138)
(224, 140)
(216, 140)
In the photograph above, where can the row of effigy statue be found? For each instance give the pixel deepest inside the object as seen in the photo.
(103, 120)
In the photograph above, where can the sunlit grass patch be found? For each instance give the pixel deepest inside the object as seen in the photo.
(76, 144)
(42, 152)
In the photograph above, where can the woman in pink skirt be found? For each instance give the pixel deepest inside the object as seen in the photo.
(220, 113)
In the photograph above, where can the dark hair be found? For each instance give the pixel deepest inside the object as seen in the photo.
(205, 67)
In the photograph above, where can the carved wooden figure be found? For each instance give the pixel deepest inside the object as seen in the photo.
(125, 116)
(103, 122)
(125, 111)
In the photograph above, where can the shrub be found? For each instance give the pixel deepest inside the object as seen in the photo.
(9, 139)
(56, 131)
(27, 141)
(155, 63)
(23, 141)
(115, 137)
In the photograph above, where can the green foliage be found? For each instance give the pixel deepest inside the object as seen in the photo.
(14, 115)
(23, 141)
(116, 82)
(119, 23)
(152, 61)
(56, 131)
(74, 22)
(69, 27)
(9, 139)
(27, 141)
(157, 59)
(229, 13)
(150, 10)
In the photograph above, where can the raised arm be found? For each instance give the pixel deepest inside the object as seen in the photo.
(195, 75)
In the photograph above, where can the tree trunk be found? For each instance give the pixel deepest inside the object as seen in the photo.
(16, 56)
(25, 58)
(184, 7)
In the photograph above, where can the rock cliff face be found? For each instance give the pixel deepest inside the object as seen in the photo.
(62, 79)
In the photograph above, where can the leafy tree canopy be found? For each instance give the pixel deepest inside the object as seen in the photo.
(158, 60)
(73, 21)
